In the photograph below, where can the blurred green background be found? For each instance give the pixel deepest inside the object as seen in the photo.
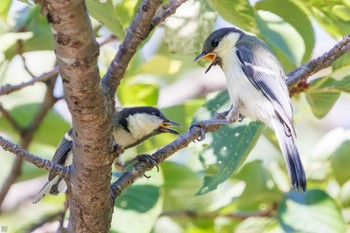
(233, 181)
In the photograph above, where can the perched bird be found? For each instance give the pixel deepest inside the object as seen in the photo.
(256, 86)
(131, 126)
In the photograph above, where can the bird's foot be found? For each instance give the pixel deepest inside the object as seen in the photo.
(240, 117)
(217, 119)
(146, 158)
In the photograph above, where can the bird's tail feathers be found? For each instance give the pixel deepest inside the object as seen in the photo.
(290, 152)
(45, 189)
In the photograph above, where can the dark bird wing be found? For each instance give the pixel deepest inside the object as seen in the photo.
(62, 150)
(266, 74)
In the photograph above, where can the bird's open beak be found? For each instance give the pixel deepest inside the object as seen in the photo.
(212, 57)
(165, 127)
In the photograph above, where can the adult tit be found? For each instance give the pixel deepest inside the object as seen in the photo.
(131, 126)
(256, 86)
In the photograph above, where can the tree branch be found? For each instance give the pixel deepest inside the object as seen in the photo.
(8, 88)
(317, 64)
(33, 159)
(10, 119)
(136, 33)
(212, 215)
(166, 13)
(294, 77)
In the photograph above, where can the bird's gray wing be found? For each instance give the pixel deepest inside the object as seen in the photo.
(62, 150)
(265, 73)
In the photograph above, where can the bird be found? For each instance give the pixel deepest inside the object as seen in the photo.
(256, 85)
(131, 126)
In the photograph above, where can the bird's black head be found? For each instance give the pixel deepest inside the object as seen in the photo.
(211, 44)
(145, 120)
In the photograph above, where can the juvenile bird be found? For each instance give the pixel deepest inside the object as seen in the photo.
(131, 126)
(256, 86)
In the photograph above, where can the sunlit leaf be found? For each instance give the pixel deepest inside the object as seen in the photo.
(180, 187)
(312, 211)
(140, 205)
(344, 194)
(186, 31)
(331, 16)
(321, 102)
(239, 13)
(227, 147)
(340, 161)
(38, 32)
(160, 65)
(281, 37)
(138, 94)
(4, 8)
(105, 13)
(296, 17)
(258, 224)
(258, 180)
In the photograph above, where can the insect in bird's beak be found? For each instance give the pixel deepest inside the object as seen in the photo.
(212, 57)
(165, 127)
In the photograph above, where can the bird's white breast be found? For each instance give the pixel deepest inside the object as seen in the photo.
(250, 101)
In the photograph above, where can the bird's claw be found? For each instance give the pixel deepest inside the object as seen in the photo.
(240, 117)
(202, 128)
(149, 160)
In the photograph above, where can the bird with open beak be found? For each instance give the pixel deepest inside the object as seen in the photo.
(256, 86)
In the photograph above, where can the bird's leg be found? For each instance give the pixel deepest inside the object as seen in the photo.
(146, 158)
(223, 118)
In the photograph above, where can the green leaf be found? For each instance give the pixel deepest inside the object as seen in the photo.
(324, 92)
(312, 211)
(138, 93)
(258, 180)
(132, 200)
(39, 34)
(321, 102)
(344, 195)
(341, 66)
(184, 32)
(340, 161)
(239, 13)
(321, 96)
(4, 8)
(296, 17)
(227, 148)
(281, 37)
(105, 13)
(180, 187)
(138, 208)
(160, 65)
(331, 16)
(258, 224)
(53, 124)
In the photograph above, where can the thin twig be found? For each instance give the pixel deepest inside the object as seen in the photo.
(212, 215)
(10, 119)
(26, 67)
(8, 88)
(27, 134)
(33, 159)
(317, 64)
(166, 13)
(136, 33)
(46, 219)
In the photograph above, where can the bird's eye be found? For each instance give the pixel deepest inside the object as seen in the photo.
(215, 43)
(156, 114)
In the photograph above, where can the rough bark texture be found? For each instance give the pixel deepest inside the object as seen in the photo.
(77, 51)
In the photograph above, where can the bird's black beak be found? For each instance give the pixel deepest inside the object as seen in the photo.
(212, 57)
(165, 127)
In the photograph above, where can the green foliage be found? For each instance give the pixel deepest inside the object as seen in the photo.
(242, 180)
(297, 210)
(227, 148)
